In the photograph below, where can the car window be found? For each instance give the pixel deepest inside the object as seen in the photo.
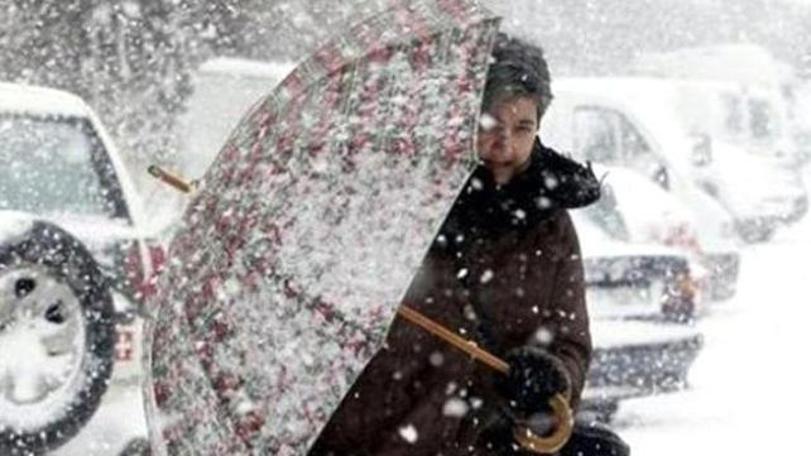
(606, 215)
(595, 135)
(607, 136)
(56, 165)
(760, 119)
(733, 118)
(634, 146)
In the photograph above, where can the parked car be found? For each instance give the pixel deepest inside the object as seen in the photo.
(641, 123)
(633, 281)
(639, 299)
(74, 268)
(652, 215)
(634, 359)
(752, 120)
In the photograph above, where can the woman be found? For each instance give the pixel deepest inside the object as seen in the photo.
(505, 271)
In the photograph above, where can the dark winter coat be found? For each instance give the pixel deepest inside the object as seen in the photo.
(505, 271)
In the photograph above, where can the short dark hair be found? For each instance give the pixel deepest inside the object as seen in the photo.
(517, 69)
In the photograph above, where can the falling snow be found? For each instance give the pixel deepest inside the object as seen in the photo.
(694, 114)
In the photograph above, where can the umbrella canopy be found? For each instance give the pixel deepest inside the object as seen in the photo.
(306, 231)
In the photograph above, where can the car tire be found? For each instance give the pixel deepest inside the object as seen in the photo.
(58, 333)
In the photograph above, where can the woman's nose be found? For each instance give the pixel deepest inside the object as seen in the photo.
(503, 135)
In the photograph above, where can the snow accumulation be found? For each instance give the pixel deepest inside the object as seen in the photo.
(28, 370)
(40, 100)
(13, 225)
(237, 68)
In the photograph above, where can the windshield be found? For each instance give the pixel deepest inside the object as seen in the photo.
(605, 214)
(56, 165)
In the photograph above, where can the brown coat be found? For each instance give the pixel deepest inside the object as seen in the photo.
(502, 288)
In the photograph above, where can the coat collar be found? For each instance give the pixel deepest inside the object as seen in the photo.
(550, 183)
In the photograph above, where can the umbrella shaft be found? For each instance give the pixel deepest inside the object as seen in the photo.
(454, 339)
(175, 181)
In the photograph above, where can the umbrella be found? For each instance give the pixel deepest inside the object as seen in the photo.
(303, 235)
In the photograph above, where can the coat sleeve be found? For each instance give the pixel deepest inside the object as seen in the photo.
(569, 320)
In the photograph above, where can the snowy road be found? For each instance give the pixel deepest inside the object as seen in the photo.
(750, 389)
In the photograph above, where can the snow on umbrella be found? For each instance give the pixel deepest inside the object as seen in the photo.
(305, 232)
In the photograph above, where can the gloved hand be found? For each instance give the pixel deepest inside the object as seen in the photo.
(535, 376)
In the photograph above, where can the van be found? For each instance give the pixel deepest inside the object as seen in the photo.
(649, 125)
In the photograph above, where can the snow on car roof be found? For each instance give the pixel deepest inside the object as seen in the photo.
(654, 100)
(21, 98)
(13, 224)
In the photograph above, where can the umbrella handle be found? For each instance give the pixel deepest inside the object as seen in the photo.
(554, 442)
(523, 436)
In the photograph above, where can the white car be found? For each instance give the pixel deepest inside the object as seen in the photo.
(74, 269)
(644, 124)
(638, 281)
(742, 92)
(652, 215)
(639, 296)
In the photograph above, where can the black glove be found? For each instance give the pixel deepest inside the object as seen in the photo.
(535, 376)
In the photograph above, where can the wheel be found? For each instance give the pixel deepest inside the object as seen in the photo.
(57, 339)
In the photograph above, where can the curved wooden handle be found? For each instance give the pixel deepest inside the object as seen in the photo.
(523, 436)
(553, 443)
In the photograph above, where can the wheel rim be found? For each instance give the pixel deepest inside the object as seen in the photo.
(42, 330)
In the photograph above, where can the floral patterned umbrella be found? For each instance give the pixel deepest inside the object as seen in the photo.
(304, 234)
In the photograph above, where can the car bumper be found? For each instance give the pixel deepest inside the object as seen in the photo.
(639, 359)
(647, 287)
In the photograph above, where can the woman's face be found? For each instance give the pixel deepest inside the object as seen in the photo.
(506, 135)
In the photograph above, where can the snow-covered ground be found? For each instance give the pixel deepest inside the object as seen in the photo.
(118, 420)
(750, 385)
(749, 389)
